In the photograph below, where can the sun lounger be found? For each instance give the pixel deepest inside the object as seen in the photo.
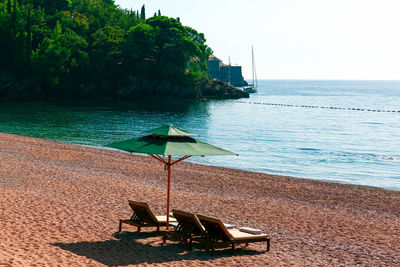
(217, 234)
(188, 227)
(143, 217)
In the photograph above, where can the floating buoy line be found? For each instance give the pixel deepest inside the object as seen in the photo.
(321, 107)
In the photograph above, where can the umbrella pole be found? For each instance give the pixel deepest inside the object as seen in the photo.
(169, 182)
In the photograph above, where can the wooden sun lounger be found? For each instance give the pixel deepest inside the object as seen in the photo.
(217, 234)
(188, 227)
(143, 217)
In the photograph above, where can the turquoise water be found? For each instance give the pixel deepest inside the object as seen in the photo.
(326, 139)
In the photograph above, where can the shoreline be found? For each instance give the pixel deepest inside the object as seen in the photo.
(329, 181)
(60, 205)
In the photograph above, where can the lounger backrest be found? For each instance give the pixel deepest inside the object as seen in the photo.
(188, 222)
(143, 211)
(215, 229)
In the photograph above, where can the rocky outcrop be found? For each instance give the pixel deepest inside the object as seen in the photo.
(216, 89)
(12, 88)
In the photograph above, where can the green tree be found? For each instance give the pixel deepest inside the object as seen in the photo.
(106, 56)
(98, 13)
(143, 13)
(174, 50)
(126, 19)
(28, 46)
(54, 6)
(39, 27)
(75, 21)
(5, 33)
(200, 64)
(60, 59)
(138, 51)
(50, 60)
(9, 6)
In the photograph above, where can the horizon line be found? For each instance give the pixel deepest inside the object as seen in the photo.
(326, 79)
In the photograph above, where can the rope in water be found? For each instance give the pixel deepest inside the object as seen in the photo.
(322, 107)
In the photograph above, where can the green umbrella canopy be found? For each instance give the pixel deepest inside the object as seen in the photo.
(170, 130)
(169, 141)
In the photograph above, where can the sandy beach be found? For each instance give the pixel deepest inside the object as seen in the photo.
(60, 205)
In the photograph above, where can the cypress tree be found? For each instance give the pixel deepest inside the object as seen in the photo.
(9, 6)
(28, 48)
(143, 13)
(14, 18)
(13, 42)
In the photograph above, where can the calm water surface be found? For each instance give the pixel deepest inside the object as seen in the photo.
(342, 145)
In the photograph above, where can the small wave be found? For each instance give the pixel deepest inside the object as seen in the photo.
(371, 156)
(348, 156)
(308, 149)
(373, 123)
(381, 157)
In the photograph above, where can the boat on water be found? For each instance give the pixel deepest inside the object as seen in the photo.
(253, 87)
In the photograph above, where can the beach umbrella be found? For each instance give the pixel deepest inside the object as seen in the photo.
(168, 141)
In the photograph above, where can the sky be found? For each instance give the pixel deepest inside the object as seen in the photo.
(295, 39)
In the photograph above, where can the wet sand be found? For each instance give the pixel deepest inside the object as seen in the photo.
(60, 205)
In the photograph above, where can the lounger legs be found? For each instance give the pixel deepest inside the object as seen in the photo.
(120, 226)
(211, 246)
(125, 221)
(187, 242)
(190, 243)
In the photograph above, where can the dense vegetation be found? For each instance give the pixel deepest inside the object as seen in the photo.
(93, 48)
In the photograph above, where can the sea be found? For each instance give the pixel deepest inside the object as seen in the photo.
(337, 131)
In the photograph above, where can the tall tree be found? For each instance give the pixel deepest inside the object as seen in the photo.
(143, 13)
(9, 6)
(54, 6)
(14, 19)
(106, 54)
(174, 50)
(28, 47)
(138, 50)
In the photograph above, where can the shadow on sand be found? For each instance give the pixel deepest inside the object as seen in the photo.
(126, 250)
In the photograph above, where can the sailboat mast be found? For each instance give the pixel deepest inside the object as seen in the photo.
(255, 71)
(229, 58)
(252, 88)
(252, 63)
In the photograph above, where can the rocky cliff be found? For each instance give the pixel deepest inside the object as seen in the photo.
(216, 89)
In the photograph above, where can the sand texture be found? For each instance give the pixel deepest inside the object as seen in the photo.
(60, 205)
